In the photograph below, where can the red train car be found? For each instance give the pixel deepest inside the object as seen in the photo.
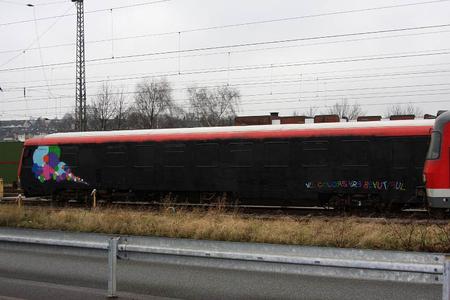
(437, 165)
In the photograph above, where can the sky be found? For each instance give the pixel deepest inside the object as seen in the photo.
(283, 56)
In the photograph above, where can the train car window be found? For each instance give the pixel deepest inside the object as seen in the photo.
(314, 154)
(207, 155)
(174, 155)
(116, 156)
(355, 153)
(435, 146)
(276, 154)
(241, 154)
(401, 153)
(145, 156)
(69, 155)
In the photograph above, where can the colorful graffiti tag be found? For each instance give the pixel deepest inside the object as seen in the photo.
(358, 184)
(48, 167)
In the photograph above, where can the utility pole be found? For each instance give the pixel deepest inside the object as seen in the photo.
(80, 89)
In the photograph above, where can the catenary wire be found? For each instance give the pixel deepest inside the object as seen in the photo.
(89, 12)
(357, 96)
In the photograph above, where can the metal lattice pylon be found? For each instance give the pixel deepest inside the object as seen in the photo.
(80, 89)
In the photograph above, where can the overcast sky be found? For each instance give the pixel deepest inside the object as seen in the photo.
(307, 54)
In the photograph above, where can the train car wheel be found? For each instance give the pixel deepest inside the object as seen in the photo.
(438, 213)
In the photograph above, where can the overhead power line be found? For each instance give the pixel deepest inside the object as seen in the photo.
(240, 78)
(112, 39)
(246, 23)
(90, 12)
(281, 41)
(34, 4)
(36, 40)
(245, 50)
(308, 16)
(293, 64)
(234, 46)
(303, 81)
(259, 101)
(182, 31)
(71, 107)
(296, 81)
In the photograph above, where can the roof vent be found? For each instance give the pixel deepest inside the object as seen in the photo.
(274, 118)
(326, 119)
(402, 117)
(293, 120)
(368, 118)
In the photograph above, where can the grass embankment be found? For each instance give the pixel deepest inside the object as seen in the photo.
(218, 225)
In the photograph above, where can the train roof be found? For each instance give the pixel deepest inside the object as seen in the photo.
(374, 128)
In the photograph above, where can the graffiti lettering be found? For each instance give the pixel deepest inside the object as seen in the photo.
(358, 184)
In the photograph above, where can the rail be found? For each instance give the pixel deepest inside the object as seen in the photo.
(396, 266)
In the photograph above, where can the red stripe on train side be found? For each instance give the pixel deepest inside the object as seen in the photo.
(370, 131)
(9, 162)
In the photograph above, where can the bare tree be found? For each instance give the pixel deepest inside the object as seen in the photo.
(344, 109)
(121, 111)
(176, 118)
(408, 109)
(153, 98)
(102, 108)
(311, 111)
(214, 107)
(66, 124)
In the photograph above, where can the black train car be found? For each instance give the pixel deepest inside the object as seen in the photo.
(356, 163)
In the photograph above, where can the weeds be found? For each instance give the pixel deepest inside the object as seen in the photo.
(218, 224)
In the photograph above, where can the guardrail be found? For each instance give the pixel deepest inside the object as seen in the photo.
(330, 262)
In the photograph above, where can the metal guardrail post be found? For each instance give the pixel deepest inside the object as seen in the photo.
(446, 283)
(112, 267)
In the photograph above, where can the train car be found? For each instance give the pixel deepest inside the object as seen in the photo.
(437, 166)
(353, 164)
(10, 154)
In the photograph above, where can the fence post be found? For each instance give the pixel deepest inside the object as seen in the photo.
(1, 188)
(446, 283)
(19, 200)
(94, 198)
(112, 267)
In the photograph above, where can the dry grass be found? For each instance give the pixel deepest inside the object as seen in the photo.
(215, 224)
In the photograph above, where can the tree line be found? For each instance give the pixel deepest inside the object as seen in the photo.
(152, 106)
(344, 109)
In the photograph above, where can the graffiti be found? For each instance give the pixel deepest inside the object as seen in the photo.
(358, 184)
(48, 167)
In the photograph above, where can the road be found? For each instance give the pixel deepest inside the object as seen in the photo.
(13, 289)
(70, 273)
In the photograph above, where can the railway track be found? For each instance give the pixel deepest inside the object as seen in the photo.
(407, 216)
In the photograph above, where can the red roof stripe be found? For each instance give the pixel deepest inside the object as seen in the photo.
(369, 131)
